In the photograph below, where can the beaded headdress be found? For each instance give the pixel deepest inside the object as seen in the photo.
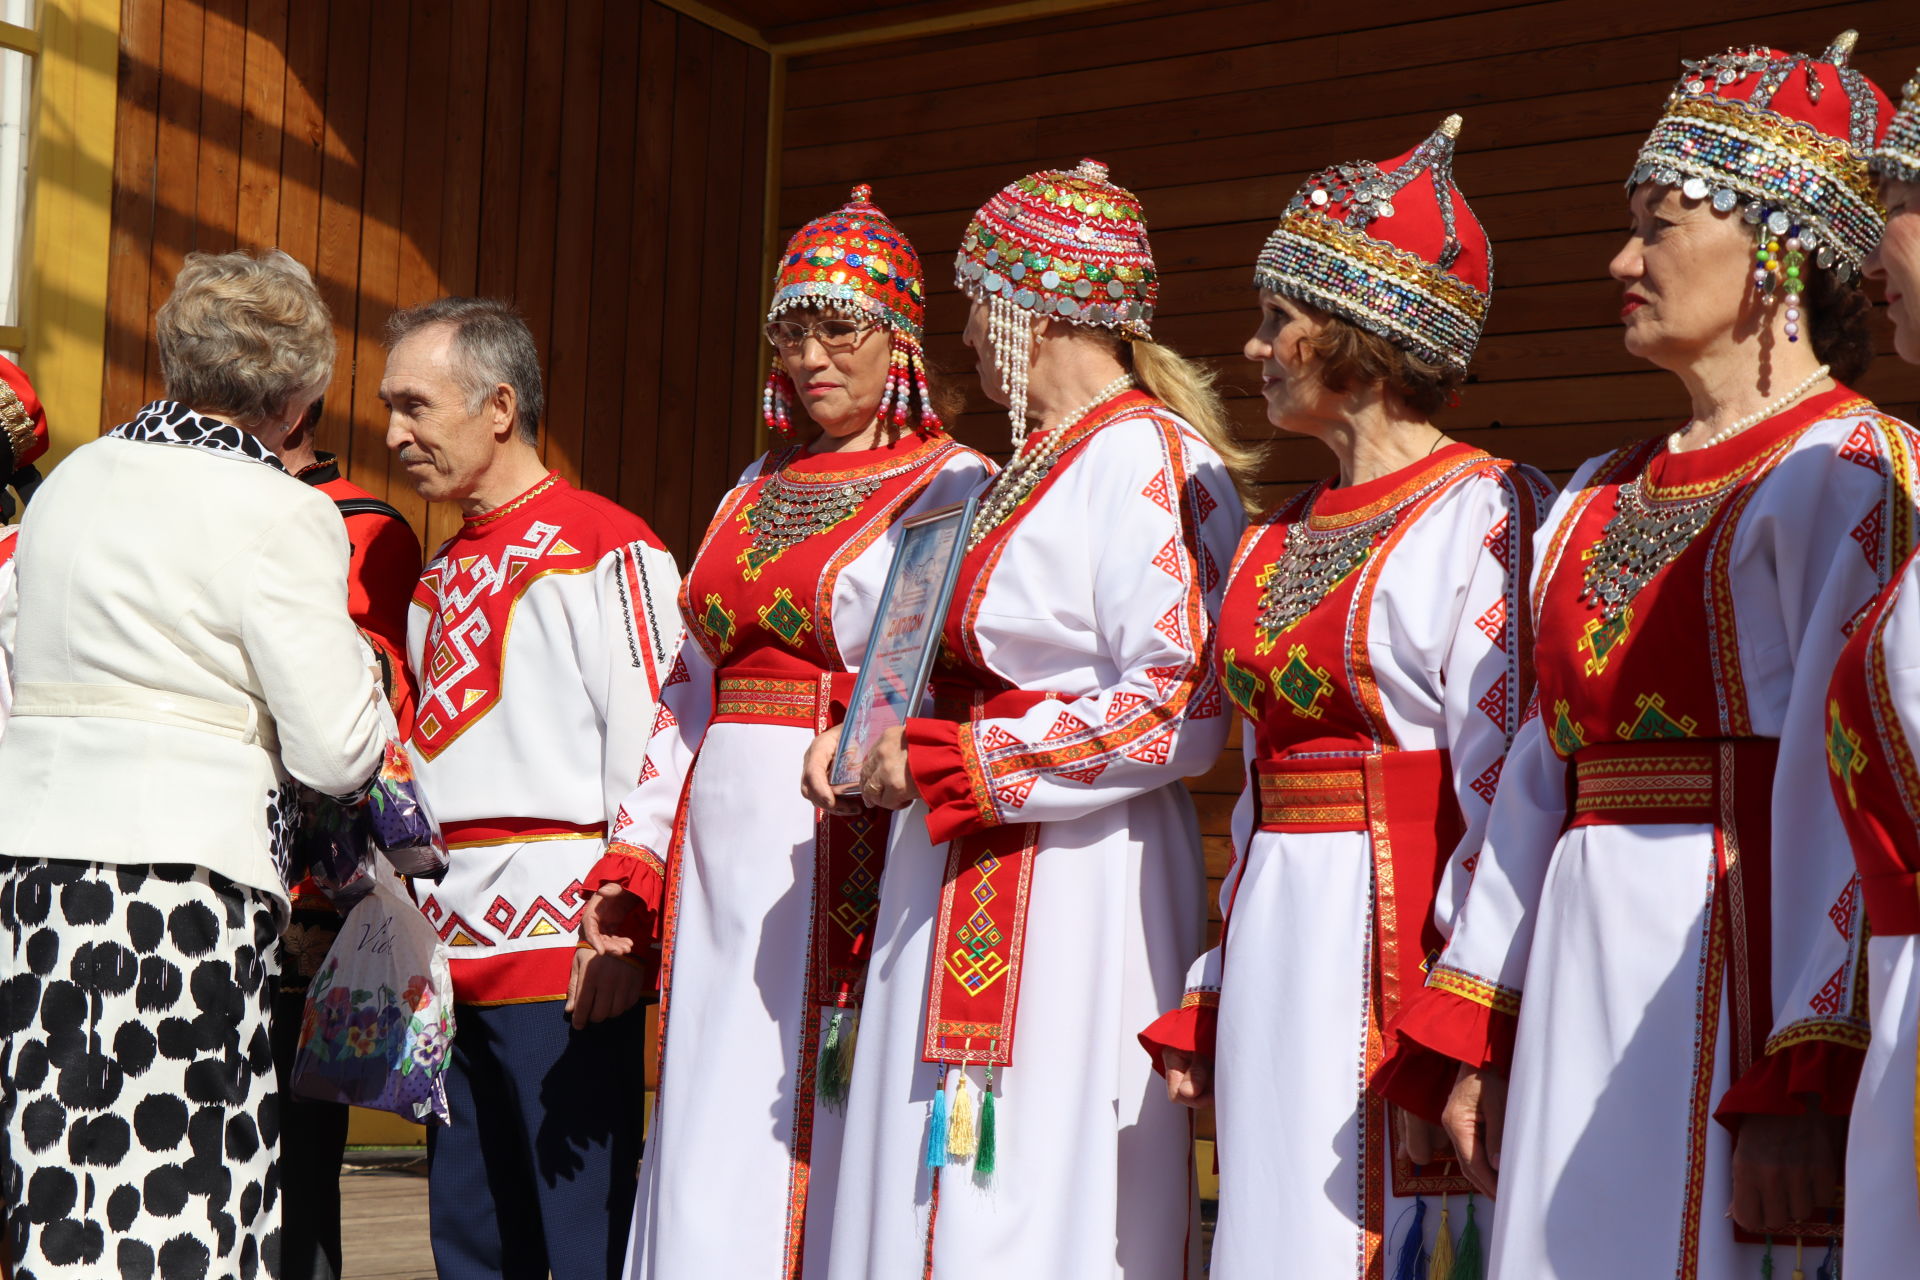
(855, 259)
(1390, 247)
(1783, 136)
(1066, 243)
(1898, 155)
(23, 422)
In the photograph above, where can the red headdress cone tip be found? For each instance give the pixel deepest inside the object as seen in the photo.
(861, 198)
(1898, 155)
(1091, 170)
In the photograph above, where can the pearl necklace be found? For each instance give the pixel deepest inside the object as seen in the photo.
(1032, 459)
(1761, 414)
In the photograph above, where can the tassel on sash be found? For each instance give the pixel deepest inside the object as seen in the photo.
(833, 1072)
(937, 1126)
(1469, 1259)
(1413, 1250)
(1440, 1261)
(989, 1148)
(962, 1138)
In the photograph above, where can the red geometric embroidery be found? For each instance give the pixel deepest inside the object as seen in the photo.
(1169, 624)
(1494, 702)
(1828, 999)
(1208, 705)
(1489, 780)
(1209, 570)
(1860, 450)
(1494, 623)
(650, 772)
(1086, 775)
(1867, 534)
(1157, 490)
(1014, 794)
(1841, 912)
(1123, 702)
(1499, 539)
(1203, 503)
(500, 915)
(1468, 863)
(998, 739)
(1154, 750)
(1067, 726)
(1168, 561)
(679, 673)
(1164, 678)
(664, 719)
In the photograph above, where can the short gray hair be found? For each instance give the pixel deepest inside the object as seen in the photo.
(244, 337)
(491, 345)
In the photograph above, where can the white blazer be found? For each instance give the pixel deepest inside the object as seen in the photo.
(180, 645)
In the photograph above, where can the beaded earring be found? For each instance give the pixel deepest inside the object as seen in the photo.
(777, 401)
(1010, 335)
(906, 382)
(1780, 265)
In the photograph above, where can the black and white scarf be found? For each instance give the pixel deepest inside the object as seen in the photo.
(170, 422)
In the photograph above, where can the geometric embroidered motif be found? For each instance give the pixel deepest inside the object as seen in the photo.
(1086, 775)
(1208, 704)
(1860, 450)
(1014, 794)
(1828, 999)
(1154, 750)
(785, 618)
(1499, 539)
(1243, 686)
(1599, 637)
(1168, 561)
(1122, 702)
(1844, 756)
(1169, 625)
(1868, 534)
(1488, 781)
(1302, 685)
(718, 621)
(1203, 502)
(1494, 702)
(1067, 725)
(1566, 735)
(1157, 490)
(1164, 678)
(1654, 723)
(976, 964)
(1841, 912)
(997, 739)
(1493, 623)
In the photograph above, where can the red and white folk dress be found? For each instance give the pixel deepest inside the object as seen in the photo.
(1054, 870)
(1375, 638)
(767, 903)
(1662, 876)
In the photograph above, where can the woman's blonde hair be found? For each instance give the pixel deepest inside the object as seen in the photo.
(244, 337)
(1187, 388)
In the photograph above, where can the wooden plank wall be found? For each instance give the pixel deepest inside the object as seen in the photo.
(1213, 113)
(599, 162)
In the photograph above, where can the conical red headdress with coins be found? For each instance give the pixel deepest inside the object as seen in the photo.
(1390, 247)
(855, 260)
(23, 423)
(1898, 155)
(1783, 137)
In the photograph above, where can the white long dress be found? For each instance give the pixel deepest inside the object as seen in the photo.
(1672, 974)
(1415, 665)
(738, 1176)
(1100, 590)
(1873, 722)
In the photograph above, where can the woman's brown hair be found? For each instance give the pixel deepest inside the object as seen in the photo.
(1349, 356)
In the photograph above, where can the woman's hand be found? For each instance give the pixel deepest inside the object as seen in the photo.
(605, 981)
(1422, 1140)
(1189, 1078)
(885, 780)
(816, 770)
(1475, 1120)
(1786, 1169)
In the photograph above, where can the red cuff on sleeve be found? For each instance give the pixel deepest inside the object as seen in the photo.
(939, 768)
(1780, 1083)
(1432, 1036)
(633, 869)
(1189, 1029)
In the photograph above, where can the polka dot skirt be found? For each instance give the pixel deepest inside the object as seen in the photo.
(136, 1078)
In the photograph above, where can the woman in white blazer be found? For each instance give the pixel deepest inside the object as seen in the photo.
(181, 648)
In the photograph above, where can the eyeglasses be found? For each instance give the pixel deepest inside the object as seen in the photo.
(834, 334)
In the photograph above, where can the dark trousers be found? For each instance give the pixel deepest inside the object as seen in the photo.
(313, 1142)
(537, 1171)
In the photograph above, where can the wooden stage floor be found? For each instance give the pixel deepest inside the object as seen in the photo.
(383, 1228)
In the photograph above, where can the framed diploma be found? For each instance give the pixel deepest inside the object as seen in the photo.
(906, 634)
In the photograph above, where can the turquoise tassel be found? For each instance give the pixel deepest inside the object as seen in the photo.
(984, 1155)
(834, 1069)
(1413, 1245)
(937, 1130)
(1469, 1261)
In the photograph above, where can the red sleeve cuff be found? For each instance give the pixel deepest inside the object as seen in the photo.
(1432, 1036)
(1782, 1083)
(939, 763)
(634, 869)
(1189, 1029)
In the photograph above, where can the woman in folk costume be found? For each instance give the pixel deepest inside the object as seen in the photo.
(1873, 722)
(1375, 635)
(1043, 895)
(766, 903)
(1686, 930)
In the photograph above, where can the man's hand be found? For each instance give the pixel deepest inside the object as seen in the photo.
(885, 780)
(602, 986)
(607, 913)
(1423, 1141)
(1786, 1169)
(1475, 1120)
(816, 770)
(1189, 1078)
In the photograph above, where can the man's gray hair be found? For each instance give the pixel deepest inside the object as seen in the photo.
(491, 345)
